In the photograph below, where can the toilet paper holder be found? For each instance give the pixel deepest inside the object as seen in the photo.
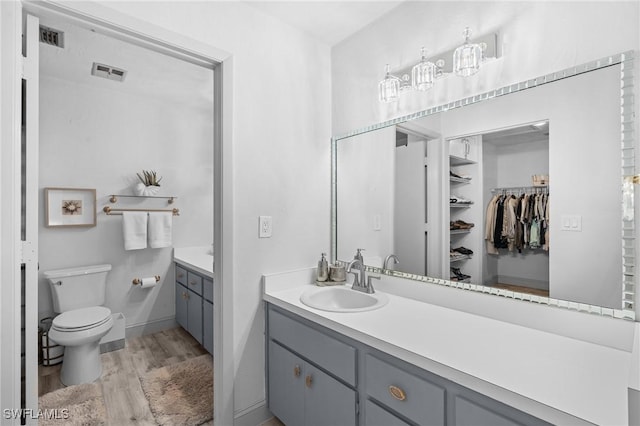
(138, 281)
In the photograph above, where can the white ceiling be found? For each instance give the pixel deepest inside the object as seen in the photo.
(153, 74)
(149, 73)
(329, 21)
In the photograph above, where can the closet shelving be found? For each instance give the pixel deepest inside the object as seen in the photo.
(464, 180)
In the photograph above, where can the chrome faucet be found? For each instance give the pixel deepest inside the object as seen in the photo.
(385, 265)
(359, 280)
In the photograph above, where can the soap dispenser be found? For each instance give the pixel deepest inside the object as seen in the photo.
(323, 269)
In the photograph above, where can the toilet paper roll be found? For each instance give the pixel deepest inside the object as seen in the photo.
(148, 282)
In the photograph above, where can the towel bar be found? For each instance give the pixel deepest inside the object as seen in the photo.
(108, 210)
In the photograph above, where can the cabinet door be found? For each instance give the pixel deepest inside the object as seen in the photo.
(207, 326)
(194, 315)
(327, 402)
(468, 413)
(377, 416)
(286, 385)
(181, 305)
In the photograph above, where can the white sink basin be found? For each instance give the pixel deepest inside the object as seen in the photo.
(342, 299)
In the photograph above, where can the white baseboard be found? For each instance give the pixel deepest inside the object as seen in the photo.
(137, 330)
(252, 416)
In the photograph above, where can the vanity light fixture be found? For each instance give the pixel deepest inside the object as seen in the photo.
(468, 57)
(463, 61)
(423, 73)
(389, 87)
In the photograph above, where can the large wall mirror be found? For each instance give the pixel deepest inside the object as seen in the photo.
(523, 192)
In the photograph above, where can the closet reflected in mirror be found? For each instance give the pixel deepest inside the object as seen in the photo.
(520, 192)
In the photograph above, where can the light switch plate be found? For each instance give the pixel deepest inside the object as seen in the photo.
(265, 227)
(571, 222)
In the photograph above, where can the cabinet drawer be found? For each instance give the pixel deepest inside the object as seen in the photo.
(181, 275)
(207, 289)
(413, 397)
(327, 352)
(194, 283)
(377, 416)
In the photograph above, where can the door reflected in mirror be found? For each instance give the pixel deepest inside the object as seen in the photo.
(520, 192)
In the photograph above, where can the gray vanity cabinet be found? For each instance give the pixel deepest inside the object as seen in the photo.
(301, 394)
(194, 305)
(316, 376)
(311, 376)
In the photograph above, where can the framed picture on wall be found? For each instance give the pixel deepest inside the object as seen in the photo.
(70, 207)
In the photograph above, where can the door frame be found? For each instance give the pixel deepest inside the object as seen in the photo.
(130, 29)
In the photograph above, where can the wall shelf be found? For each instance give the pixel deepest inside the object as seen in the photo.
(459, 161)
(114, 197)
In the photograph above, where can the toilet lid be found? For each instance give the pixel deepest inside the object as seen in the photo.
(82, 318)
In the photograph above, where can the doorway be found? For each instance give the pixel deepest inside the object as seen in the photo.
(43, 12)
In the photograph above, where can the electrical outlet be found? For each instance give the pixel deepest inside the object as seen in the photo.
(265, 227)
(377, 222)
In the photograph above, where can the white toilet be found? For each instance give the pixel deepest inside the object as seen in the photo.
(78, 294)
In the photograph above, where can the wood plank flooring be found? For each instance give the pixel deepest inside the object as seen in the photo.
(124, 400)
(523, 289)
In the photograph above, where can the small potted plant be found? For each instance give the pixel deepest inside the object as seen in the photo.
(149, 183)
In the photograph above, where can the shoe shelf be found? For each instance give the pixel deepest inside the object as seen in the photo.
(459, 180)
(458, 258)
(454, 160)
(459, 231)
(461, 205)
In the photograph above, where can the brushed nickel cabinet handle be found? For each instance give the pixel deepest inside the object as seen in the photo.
(193, 282)
(397, 393)
(296, 371)
(185, 295)
(308, 380)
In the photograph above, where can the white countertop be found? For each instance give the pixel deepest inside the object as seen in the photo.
(541, 373)
(199, 259)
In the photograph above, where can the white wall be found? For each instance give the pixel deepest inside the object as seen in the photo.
(98, 136)
(366, 175)
(536, 37)
(281, 149)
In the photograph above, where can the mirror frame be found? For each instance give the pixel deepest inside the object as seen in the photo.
(625, 62)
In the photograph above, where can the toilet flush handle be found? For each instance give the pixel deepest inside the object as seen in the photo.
(58, 283)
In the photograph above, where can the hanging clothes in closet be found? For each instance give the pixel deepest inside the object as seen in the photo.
(517, 222)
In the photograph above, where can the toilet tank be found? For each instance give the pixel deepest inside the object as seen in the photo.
(76, 288)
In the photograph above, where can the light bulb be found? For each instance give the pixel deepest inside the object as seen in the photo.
(467, 58)
(389, 87)
(423, 73)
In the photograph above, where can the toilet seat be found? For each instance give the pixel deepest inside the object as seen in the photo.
(81, 319)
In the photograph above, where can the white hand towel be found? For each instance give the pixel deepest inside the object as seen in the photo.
(160, 229)
(134, 229)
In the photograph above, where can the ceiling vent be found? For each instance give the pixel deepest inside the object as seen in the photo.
(51, 36)
(107, 71)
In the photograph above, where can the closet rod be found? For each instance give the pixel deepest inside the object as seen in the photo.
(108, 210)
(522, 188)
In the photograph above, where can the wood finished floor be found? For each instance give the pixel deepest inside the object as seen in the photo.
(124, 400)
(522, 289)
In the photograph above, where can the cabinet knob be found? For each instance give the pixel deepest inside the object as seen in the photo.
(193, 282)
(180, 275)
(308, 380)
(185, 296)
(397, 393)
(296, 371)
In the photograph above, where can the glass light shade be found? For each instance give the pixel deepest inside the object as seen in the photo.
(467, 58)
(423, 74)
(389, 88)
